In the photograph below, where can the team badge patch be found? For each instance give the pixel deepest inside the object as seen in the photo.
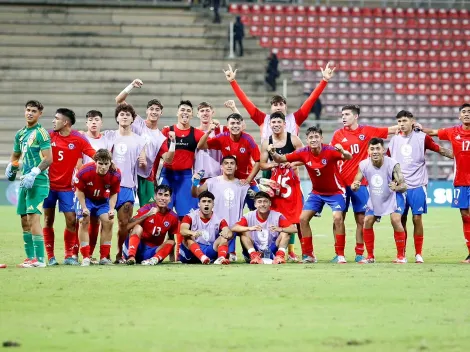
(71, 146)
(166, 223)
(323, 161)
(362, 137)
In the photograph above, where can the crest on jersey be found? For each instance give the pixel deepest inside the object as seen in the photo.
(377, 180)
(362, 137)
(263, 237)
(242, 150)
(71, 146)
(166, 224)
(406, 150)
(205, 235)
(107, 186)
(323, 161)
(121, 149)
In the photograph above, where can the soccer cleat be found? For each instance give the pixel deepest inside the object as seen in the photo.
(130, 261)
(271, 183)
(32, 264)
(71, 261)
(27, 261)
(358, 258)
(419, 259)
(94, 261)
(279, 260)
(400, 260)
(3, 266)
(339, 259)
(205, 260)
(105, 261)
(232, 257)
(222, 261)
(151, 261)
(306, 259)
(256, 259)
(369, 260)
(466, 261)
(53, 262)
(292, 257)
(86, 262)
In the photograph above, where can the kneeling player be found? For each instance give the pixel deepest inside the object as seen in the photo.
(386, 184)
(264, 232)
(98, 184)
(152, 224)
(205, 235)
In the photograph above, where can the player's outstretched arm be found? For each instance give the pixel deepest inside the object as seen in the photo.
(448, 153)
(398, 184)
(430, 132)
(231, 105)
(264, 163)
(121, 98)
(196, 188)
(357, 180)
(276, 157)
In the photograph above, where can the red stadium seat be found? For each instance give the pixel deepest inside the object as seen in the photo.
(279, 9)
(277, 42)
(277, 31)
(300, 32)
(289, 31)
(267, 20)
(267, 9)
(279, 20)
(423, 89)
(255, 31)
(424, 44)
(432, 13)
(421, 13)
(410, 13)
(311, 32)
(453, 13)
(299, 53)
(312, 10)
(299, 42)
(442, 13)
(233, 8)
(289, 20)
(300, 20)
(256, 9)
(245, 9)
(265, 42)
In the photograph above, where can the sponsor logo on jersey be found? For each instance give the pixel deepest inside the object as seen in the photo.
(71, 146)
(227, 148)
(362, 137)
(53, 144)
(89, 184)
(323, 161)
(151, 221)
(338, 207)
(420, 209)
(344, 139)
(166, 224)
(458, 137)
(399, 209)
(309, 163)
(30, 207)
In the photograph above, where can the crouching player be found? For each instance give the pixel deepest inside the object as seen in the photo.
(264, 233)
(385, 184)
(153, 223)
(97, 187)
(205, 235)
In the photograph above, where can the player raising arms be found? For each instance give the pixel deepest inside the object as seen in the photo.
(153, 223)
(321, 163)
(288, 198)
(205, 235)
(409, 148)
(68, 148)
(386, 184)
(278, 103)
(459, 137)
(33, 146)
(97, 188)
(264, 233)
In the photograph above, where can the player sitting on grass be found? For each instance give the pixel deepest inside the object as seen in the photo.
(205, 235)
(151, 225)
(98, 184)
(264, 233)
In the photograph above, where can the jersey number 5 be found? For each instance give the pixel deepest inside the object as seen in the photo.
(61, 155)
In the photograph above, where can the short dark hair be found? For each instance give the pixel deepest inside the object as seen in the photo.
(277, 99)
(376, 140)
(354, 108)
(155, 102)
(93, 113)
(277, 115)
(463, 106)
(228, 157)
(103, 155)
(34, 104)
(69, 114)
(262, 194)
(125, 107)
(314, 129)
(206, 194)
(185, 102)
(405, 113)
(235, 116)
(204, 104)
(164, 188)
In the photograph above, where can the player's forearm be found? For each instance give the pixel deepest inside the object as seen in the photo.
(121, 98)
(203, 141)
(81, 199)
(246, 102)
(393, 129)
(304, 111)
(46, 161)
(239, 228)
(291, 229)
(278, 158)
(429, 131)
(446, 152)
(112, 202)
(253, 172)
(133, 222)
(186, 232)
(401, 187)
(168, 157)
(267, 166)
(15, 156)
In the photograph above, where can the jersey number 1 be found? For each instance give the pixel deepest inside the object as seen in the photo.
(283, 182)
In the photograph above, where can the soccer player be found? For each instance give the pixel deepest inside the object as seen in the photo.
(205, 235)
(147, 243)
(327, 188)
(97, 187)
(355, 138)
(279, 103)
(288, 198)
(386, 185)
(230, 194)
(33, 145)
(68, 148)
(459, 137)
(409, 148)
(264, 233)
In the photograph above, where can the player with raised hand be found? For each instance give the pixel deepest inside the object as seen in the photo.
(97, 188)
(386, 185)
(279, 103)
(205, 235)
(33, 147)
(408, 148)
(68, 148)
(264, 233)
(152, 231)
(459, 137)
(327, 188)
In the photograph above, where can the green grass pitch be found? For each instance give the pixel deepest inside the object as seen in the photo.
(294, 307)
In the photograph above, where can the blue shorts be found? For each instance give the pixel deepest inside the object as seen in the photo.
(461, 197)
(180, 182)
(187, 257)
(251, 202)
(125, 195)
(144, 252)
(66, 201)
(269, 252)
(401, 200)
(96, 208)
(316, 202)
(358, 199)
(416, 199)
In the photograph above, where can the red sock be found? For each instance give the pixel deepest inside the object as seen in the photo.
(254, 254)
(359, 248)
(307, 246)
(400, 242)
(340, 243)
(69, 242)
(93, 230)
(466, 230)
(369, 238)
(196, 250)
(222, 251)
(85, 250)
(179, 240)
(48, 233)
(281, 254)
(105, 249)
(134, 242)
(164, 251)
(419, 243)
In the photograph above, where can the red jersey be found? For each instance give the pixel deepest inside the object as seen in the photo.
(245, 150)
(460, 140)
(356, 142)
(186, 145)
(98, 187)
(65, 153)
(288, 200)
(156, 227)
(187, 220)
(322, 169)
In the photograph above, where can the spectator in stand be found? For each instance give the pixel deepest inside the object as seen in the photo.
(216, 5)
(238, 35)
(272, 72)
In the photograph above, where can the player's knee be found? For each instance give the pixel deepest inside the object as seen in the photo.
(304, 220)
(417, 220)
(25, 224)
(368, 222)
(85, 221)
(172, 242)
(337, 219)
